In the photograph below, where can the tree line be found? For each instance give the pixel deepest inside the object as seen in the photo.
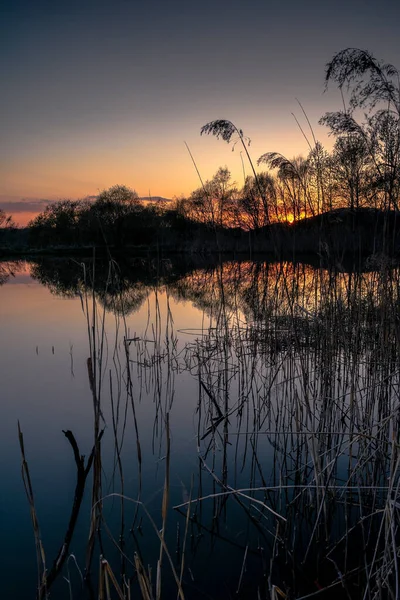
(361, 171)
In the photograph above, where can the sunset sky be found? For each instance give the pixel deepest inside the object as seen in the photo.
(96, 92)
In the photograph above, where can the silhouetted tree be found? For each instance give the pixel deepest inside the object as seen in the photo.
(350, 160)
(295, 199)
(373, 87)
(213, 203)
(227, 130)
(112, 208)
(57, 224)
(253, 207)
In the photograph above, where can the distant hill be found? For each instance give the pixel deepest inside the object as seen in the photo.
(154, 199)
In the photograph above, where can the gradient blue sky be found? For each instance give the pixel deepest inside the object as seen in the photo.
(99, 92)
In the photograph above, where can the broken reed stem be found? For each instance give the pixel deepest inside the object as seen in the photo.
(107, 575)
(82, 474)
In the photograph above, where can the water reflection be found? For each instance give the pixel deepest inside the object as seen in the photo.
(261, 401)
(8, 270)
(256, 288)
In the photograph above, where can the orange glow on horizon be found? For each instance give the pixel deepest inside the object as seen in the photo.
(290, 219)
(163, 169)
(22, 219)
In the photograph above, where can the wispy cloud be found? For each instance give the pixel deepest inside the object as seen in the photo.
(12, 205)
(33, 205)
(37, 205)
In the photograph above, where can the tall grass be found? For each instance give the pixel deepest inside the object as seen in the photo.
(295, 433)
(316, 374)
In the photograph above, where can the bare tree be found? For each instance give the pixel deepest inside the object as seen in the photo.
(374, 87)
(293, 174)
(350, 161)
(253, 208)
(227, 130)
(213, 203)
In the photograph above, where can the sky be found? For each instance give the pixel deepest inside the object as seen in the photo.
(102, 92)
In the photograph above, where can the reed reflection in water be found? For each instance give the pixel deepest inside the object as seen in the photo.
(250, 422)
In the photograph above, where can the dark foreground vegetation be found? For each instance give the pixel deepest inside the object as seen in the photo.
(333, 203)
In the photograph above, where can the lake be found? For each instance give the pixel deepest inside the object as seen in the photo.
(240, 420)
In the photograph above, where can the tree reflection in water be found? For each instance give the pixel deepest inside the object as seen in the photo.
(296, 423)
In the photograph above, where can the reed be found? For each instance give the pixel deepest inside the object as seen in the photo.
(295, 432)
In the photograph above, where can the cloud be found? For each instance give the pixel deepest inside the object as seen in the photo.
(11, 205)
(33, 205)
(36, 205)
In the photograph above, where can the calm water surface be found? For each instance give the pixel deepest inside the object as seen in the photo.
(225, 376)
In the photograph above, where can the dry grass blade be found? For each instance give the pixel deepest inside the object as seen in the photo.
(159, 535)
(242, 569)
(277, 593)
(144, 581)
(186, 531)
(40, 554)
(108, 575)
(164, 509)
